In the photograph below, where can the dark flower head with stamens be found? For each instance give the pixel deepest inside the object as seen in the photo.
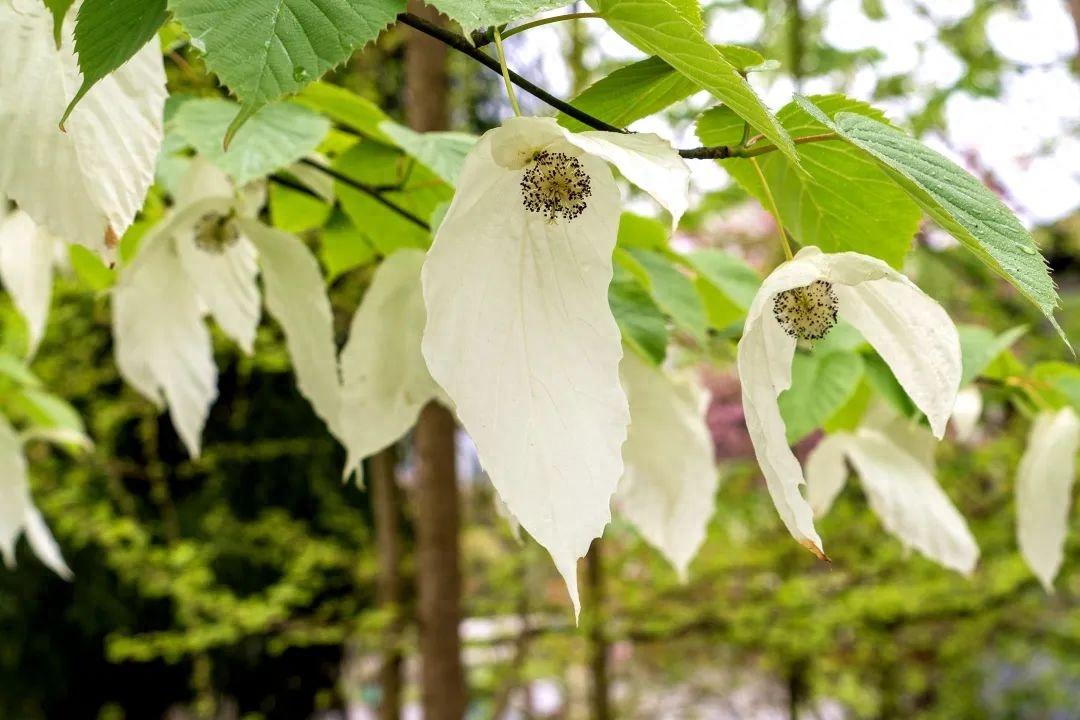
(555, 184)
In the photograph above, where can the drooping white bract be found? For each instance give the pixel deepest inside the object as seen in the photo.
(17, 510)
(295, 293)
(26, 272)
(803, 299)
(898, 478)
(1044, 482)
(84, 183)
(670, 480)
(193, 262)
(385, 381)
(519, 333)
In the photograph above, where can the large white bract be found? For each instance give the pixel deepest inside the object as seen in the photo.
(1044, 482)
(802, 299)
(84, 183)
(670, 480)
(897, 475)
(519, 333)
(26, 269)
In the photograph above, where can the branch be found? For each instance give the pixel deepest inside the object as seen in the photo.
(480, 38)
(372, 192)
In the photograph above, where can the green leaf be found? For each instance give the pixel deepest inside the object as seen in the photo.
(294, 211)
(108, 33)
(641, 322)
(643, 89)
(45, 410)
(275, 136)
(821, 384)
(346, 109)
(979, 347)
(442, 152)
(266, 49)
(730, 275)
(843, 202)
(662, 28)
(16, 369)
(89, 268)
(674, 292)
(343, 247)
(59, 10)
(960, 205)
(636, 231)
(474, 14)
(887, 386)
(1063, 379)
(850, 415)
(417, 190)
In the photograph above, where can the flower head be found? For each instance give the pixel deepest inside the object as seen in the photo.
(802, 300)
(519, 332)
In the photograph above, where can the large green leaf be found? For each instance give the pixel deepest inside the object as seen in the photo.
(674, 292)
(821, 384)
(959, 204)
(642, 89)
(442, 152)
(276, 135)
(108, 33)
(346, 109)
(415, 189)
(979, 347)
(844, 200)
(641, 322)
(265, 49)
(664, 29)
(473, 14)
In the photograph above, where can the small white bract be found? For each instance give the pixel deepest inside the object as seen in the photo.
(1044, 483)
(519, 333)
(802, 299)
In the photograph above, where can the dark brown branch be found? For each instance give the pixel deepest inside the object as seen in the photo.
(372, 192)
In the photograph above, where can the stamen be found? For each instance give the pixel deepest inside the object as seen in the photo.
(215, 233)
(807, 313)
(556, 184)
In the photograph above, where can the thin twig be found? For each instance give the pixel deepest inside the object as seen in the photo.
(372, 192)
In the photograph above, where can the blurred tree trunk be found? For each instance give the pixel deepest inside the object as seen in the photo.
(386, 500)
(796, 40)
(600, 700)
(437, 502)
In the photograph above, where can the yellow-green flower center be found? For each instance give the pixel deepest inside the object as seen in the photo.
(807, 313)
(555, 185)
(215, 232)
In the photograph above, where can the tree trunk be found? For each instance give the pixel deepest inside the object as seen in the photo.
(437, 503)
(600, 700)
(386, 500)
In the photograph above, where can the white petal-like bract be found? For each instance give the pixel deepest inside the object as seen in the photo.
(966, 412)
(17, 510)
(519, 333)
(26, 260)
(84, 183)
(669, 485)
(162, 344)
(295, 295)
(909, 502)
(910, 331)
(826, 472)
(385, 381)
(1044, 482)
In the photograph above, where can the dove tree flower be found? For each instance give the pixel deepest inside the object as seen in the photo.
(894, 459)
(204, 258)
(1044, 483)
(519, 333)
(801, 301)
(27, 253)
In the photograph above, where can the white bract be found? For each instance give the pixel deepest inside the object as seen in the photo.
(670, 479)
(801, 300)
(898, 478)
(385, 381)
(966, 413)
(84, 183)
(26, 260)
(17, 510)
(204, 258)
(519, 333)
(1044, 482)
